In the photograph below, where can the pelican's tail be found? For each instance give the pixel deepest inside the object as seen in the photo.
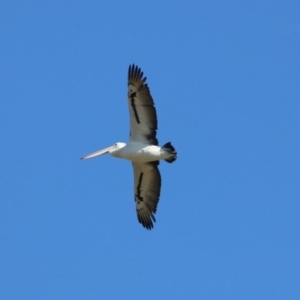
(171, 150)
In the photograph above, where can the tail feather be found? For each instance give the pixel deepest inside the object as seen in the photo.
(171, 150)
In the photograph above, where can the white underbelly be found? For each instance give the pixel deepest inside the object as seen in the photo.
(140, 152)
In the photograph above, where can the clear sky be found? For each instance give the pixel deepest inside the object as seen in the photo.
(225, 77)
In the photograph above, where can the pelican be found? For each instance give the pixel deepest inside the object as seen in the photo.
(142, 148)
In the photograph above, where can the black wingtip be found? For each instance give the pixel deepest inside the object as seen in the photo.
(146, 221)
(135, 73)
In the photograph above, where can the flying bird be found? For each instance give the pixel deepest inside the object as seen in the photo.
(142, 148)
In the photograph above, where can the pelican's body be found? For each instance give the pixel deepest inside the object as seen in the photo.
(139, 152)
(142, 149)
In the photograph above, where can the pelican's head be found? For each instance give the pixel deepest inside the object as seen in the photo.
(110, 150)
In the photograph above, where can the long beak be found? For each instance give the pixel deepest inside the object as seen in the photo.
(98, 153)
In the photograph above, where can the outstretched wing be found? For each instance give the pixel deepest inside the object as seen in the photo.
(147, 182)
(143, 119)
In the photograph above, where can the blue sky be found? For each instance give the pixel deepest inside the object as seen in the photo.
(225, 79)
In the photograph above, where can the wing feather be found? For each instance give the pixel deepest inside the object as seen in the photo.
(143, 118)
(147, 183)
